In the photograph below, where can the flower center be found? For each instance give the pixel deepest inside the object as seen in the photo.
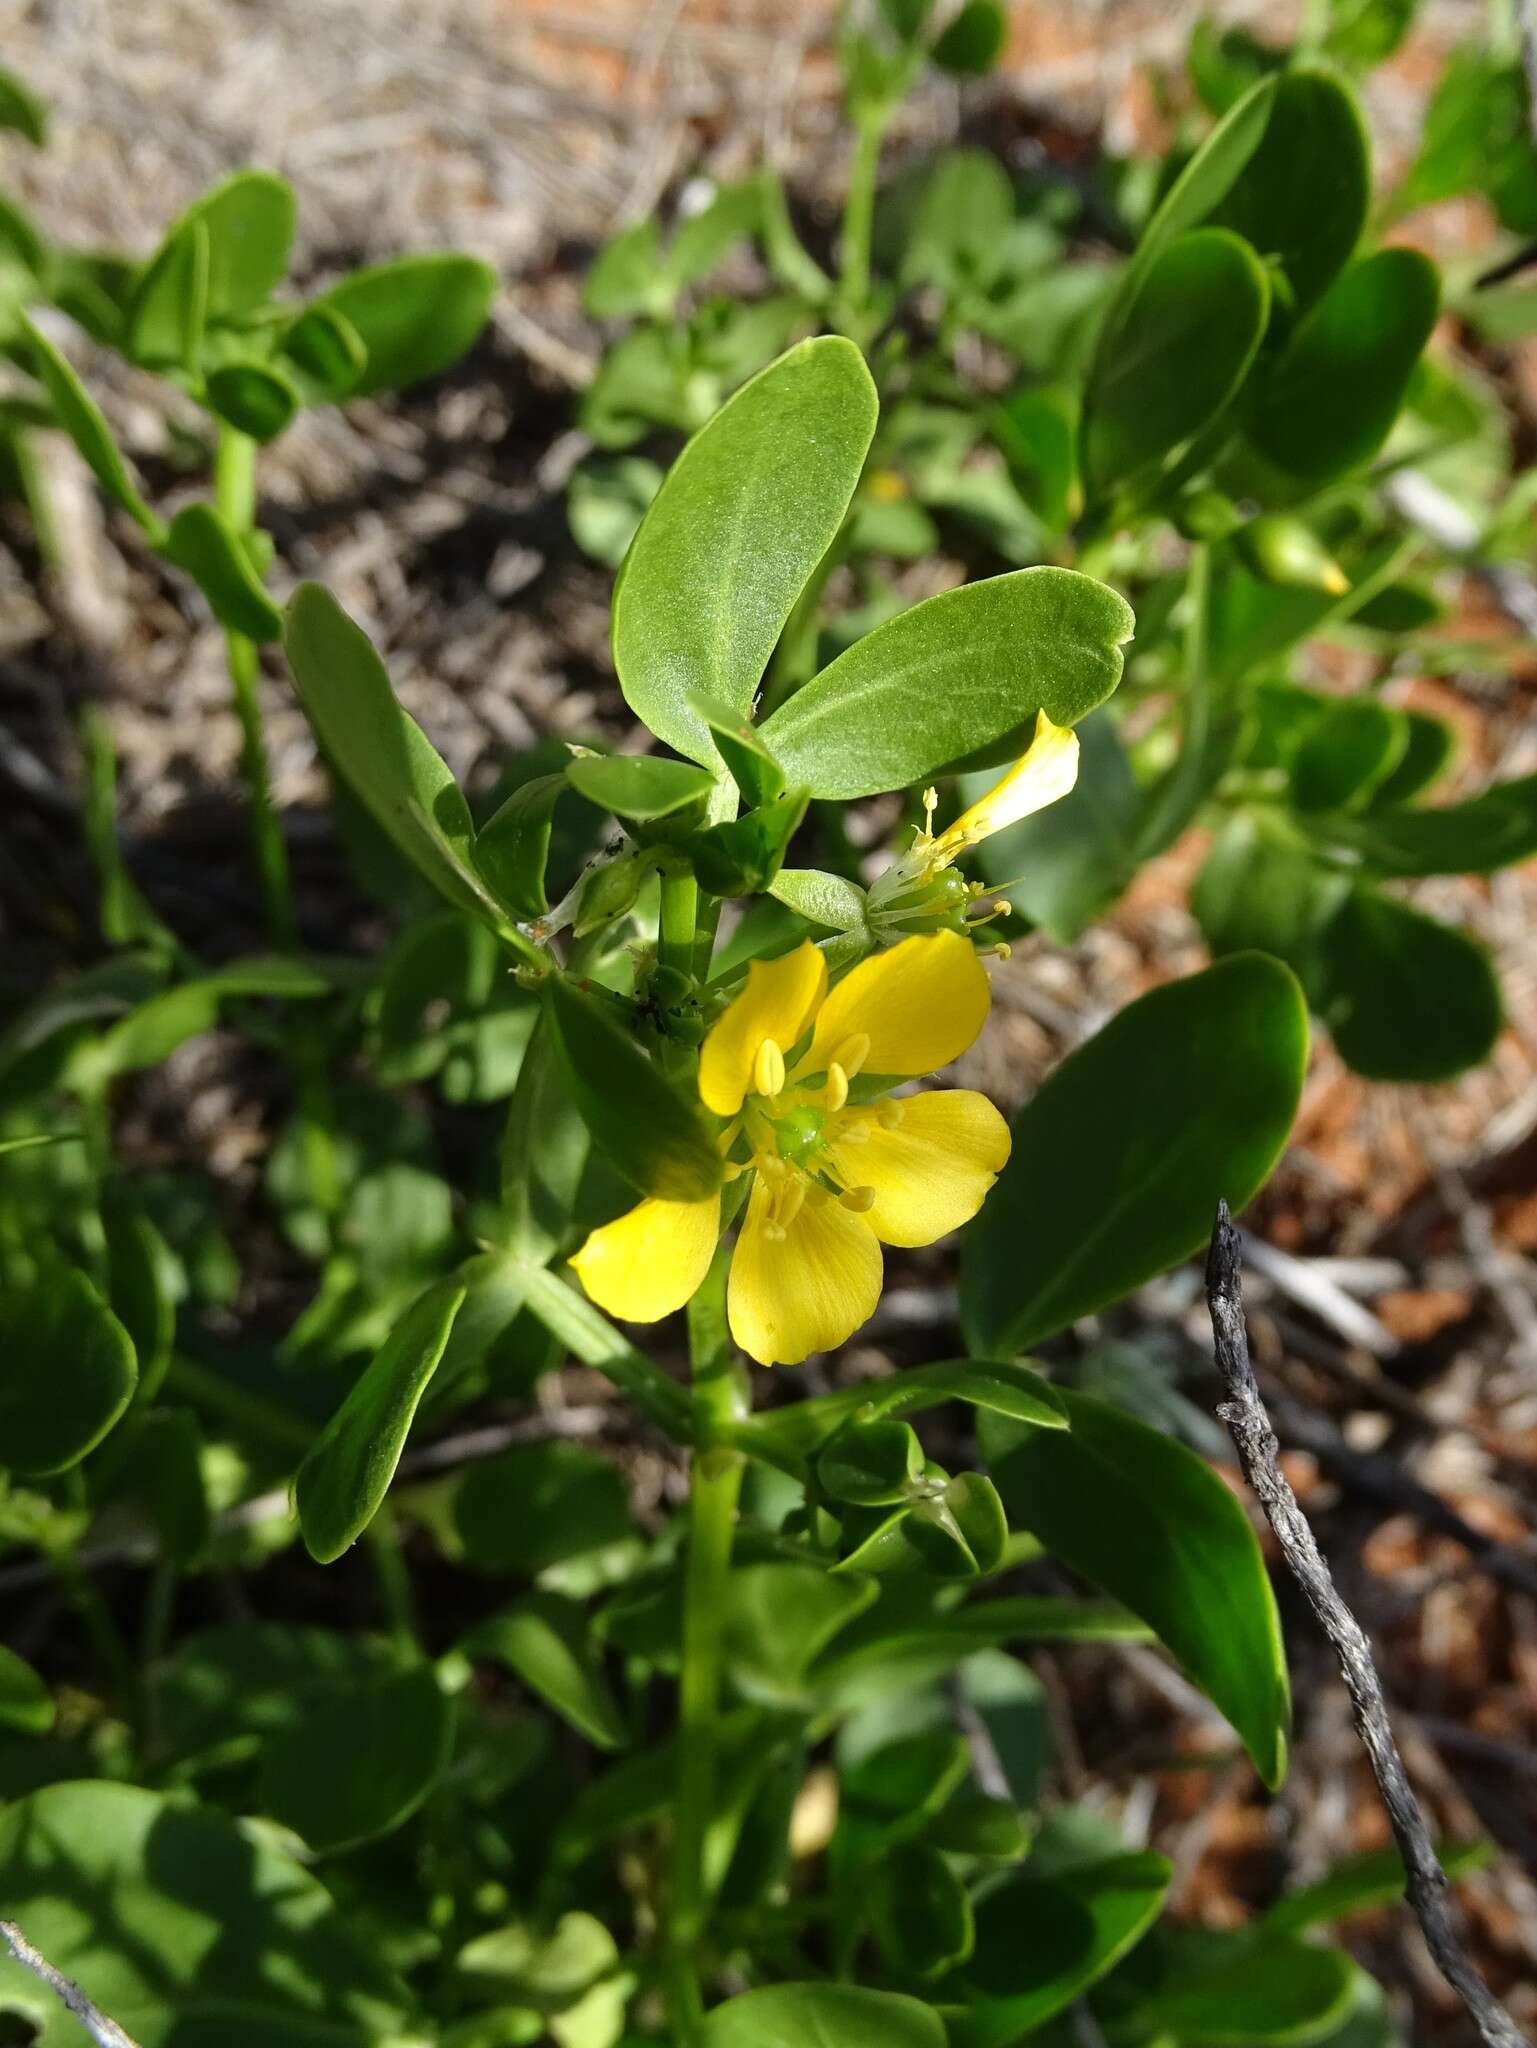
(800, 1134)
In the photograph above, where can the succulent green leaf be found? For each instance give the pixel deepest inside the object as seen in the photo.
(827, 2015)
(71, 1373)
(356, 1764)
(1405, 997)
(249, 220)
(258, 398)
(1120, 1157)
(512, 848)
(169, 308)
(958, 680)
(546, 1641)
(414, 316)
(348, 1472)
(1146, 1519)
(745, 515)
(202, 543)
(647, 1127)
(81, 418)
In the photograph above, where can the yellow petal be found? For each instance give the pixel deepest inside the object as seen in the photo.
(806, 1290)
(779, 1002)
(920, 1006)
(651, 1260)
(1047, 770)
(931, 1170)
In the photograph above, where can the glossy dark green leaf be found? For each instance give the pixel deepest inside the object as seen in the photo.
(975, 1825)
(780, 1617)
(827, 2015)
(1225, 62)
(957, 679)
(81, 418)
(1426, 757)
(920, 1911)
(166, 1463)
(644, 789)
(871, 1463)
(384, 755)
(1478, 837)
(538, 1505)
(414, 316)
(1183, 348)
(250, 223)
(899, 1786)
(203, 545)
(169, 307)
(26, 1705)
(743, 518)
(1042, 1941)
(900, 1657)
(356, 1765)
(200, 1911)
(1120, 1157)
(71, 1374)
(1301, 200)
(512, 848)
(644, 1124)
(972, 41)
(141, 1285)
(1265, 1991)
(347, 1474)
(255, 397)
(1346, 753)
(21, 111)
(1359, 1883)
(793, 1431)
(962, 1532)
(545, 1640)
(1405, 997)
(1065, 866)
(1260, 887)
(1330, 401)
(1146, 1519)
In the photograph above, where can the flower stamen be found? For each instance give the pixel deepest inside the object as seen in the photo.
(768, 1069)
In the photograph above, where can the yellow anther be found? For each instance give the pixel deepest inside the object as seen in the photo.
(852, 1054)
(791, 1197)
(860, 1200)
(768, 1069)
(837, 1087)
(888, 1114)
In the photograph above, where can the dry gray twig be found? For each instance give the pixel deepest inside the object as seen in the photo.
(1255, 1440)
(105, 2032)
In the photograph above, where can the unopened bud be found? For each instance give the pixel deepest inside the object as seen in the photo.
(1281, 549)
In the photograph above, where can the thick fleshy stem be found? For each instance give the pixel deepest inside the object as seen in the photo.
(714, 1484)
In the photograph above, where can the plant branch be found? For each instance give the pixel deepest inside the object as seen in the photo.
(1249, 1425)
(106, 2033)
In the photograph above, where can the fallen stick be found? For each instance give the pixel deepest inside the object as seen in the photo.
(1249, 1426)
(106, 2033)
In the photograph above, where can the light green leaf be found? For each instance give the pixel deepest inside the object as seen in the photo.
(415, 316)
(821, 898)
(1140, 1515)
(200, 1909)
(169, 308)
(249, 220)
(384, 755)
(1120, 1157)
(81, 418)
(957, 680)
(821, 2016)
(202, 544)
(21, 110)
(26, 1705)
(546, 1641)
(746, 513)
(512, 848)
(345, 1477)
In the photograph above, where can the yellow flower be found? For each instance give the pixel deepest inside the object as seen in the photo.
(916, 891)
(833, 1178)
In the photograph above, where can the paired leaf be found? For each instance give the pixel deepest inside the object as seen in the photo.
(1405, 997)
(249, 221)
(646, 1126)
(1146, 1519)
(957, 680)
(1487, 832)
(414, 316)
(743, 518)
(1120, 1157)
(203, 544)
(345, 1477)
(81, 418)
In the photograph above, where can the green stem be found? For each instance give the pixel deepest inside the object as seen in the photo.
(396, 1594)
(714, 1485)
(859, 214)
(235, 494)
(680, 912)
(588, 1335)
(38, 493)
